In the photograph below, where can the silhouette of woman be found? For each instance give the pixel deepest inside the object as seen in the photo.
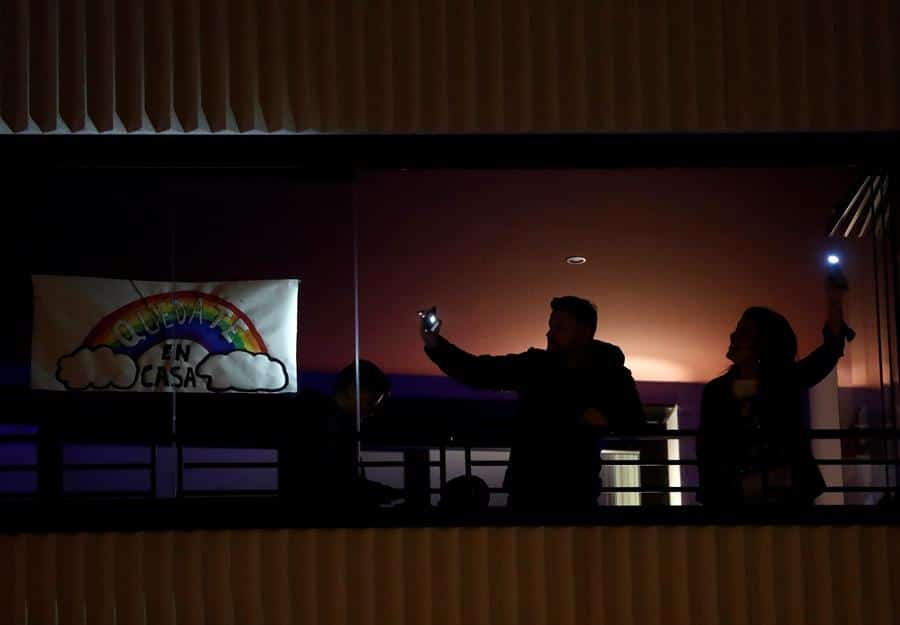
(753, 443)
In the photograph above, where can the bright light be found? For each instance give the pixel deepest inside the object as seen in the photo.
(432, 318)
(833, 259)
(576, 260)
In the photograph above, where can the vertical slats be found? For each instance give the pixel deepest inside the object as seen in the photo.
(846, 565)
(618, 579)
(215, 61)
(893, 579)
(72, 53)
(129, 582)
(503, 568)
(389, 602)
(379, 72)
(703, 575)
(488, 60)
(461, 84)
(878, 601)
(682, 63)
(711, 74)
(218, 591)
(596, 576)
(731, 563)
(435, 66)
(273, 66)
(820, 599)
(243, 77)
(793, 63)
(529, 565)
(354, 32)
(342, 21)
(418, 590)
(41, 578)
(331, 560)
(447, 577)
(598, 29)
(543, 39)
(129, 65)
(411, 65)
(648, 583)
(303, 576)
(477, 575)
(789, 577)
(673, 567)
(879, 66)
(246, 577)
(159, 562)
(654, 61)
(575, 34)
(627, 69)
(760, 576)
(361, 574)
(43, 79)
(158, 62)
(99, 578)
(276, 580)
(13, 576)
(560, 571)
(474, 586)
(189, 575)
(70, 578)
(186, 62)
(101, 63)
(517, 67)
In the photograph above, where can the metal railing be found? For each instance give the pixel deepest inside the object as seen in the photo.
(50, 469)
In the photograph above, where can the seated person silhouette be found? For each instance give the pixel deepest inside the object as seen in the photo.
(466, 493)
(568, 395)
(319, 459)
(753, 443)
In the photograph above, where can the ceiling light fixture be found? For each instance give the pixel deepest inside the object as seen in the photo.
(576, 260)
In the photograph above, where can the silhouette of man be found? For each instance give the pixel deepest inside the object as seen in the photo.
(319, 459)
(569, 393)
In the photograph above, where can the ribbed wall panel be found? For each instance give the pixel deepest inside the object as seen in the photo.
(448, 66)
(564, 575)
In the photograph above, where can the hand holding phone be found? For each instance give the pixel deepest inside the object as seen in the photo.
(431, 323)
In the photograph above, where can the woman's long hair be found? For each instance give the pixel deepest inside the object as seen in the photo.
(777, 343)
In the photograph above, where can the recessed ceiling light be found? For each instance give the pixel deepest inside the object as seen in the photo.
(576, 260)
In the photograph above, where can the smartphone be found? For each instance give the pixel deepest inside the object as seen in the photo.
(836, 277)
(430, 321)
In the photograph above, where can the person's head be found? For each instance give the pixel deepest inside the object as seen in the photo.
(764, 338)
(373, 383)
(573, 322)
(466, 493)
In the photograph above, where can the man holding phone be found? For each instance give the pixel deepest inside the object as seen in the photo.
(569, 394)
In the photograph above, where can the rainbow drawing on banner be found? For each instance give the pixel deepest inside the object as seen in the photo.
(203, 318)
(183, 340)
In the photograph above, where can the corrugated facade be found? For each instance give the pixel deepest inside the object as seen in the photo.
(553, 576)
(448, 65)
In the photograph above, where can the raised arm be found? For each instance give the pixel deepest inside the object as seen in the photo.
(498, 373)
(815, 367)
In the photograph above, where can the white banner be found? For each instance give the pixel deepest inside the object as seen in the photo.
(125, 335)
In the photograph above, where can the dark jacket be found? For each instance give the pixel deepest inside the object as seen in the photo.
(728, 444)
(555, 456)
(318, 460)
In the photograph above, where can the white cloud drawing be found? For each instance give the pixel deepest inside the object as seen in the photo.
(96, 367)
(243, 371)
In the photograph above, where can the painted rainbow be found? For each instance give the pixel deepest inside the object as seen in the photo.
(204, 318)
